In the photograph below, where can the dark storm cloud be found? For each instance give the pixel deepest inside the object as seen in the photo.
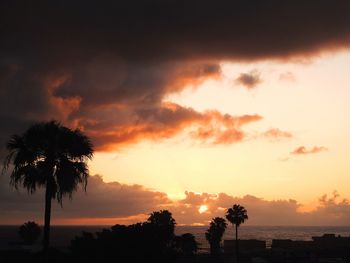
(100, 66)
(174, 29)
(115, 103)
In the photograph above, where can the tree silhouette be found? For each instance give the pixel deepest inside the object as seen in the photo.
(236, 216)
(214, 234)
(29, 232)
(186, 244)
(150, 241)
(52, 156)
(162, 218)
(163, 225)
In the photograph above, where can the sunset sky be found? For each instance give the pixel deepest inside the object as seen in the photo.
(191, 107)
(301, 105)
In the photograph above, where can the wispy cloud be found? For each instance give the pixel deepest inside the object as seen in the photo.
(287, 76)
(276, 133)
(249, 80)
(303, 150)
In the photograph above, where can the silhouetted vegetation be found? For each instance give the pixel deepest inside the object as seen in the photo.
(236, 216)
(163, 225)
(150, 241)
(52, 156)
(214, 234)
(29, 232)
(155, 241)
(186, 244)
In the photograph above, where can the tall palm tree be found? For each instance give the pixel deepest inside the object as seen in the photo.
(52, 156)
(214, 234)
(236, 216)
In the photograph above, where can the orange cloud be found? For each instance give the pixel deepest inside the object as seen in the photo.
(275, 133)
(223, 129)
(167, 120)
(115, 102)
(193, 75)
(302, 150)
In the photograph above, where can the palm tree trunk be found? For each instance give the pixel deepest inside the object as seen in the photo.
(236, 243)
(48, 195)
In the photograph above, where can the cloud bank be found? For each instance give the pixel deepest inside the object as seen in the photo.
(106, 67)
(111, 203)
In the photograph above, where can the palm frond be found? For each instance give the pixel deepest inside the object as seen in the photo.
(69, 175)
(48, 153)
(237, 214)
(75, 145)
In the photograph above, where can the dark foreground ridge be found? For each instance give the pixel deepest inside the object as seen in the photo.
(147, 242)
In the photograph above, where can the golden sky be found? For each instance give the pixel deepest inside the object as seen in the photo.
(306, 101)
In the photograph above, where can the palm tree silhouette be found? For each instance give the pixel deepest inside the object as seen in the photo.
(164, 226)
(52, 156)
(214, 234)
(236, 216)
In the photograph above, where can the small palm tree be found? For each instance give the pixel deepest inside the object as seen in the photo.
(236, 216)
(214, 234)
(51, 156)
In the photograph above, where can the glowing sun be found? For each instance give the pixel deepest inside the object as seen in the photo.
(202, 209)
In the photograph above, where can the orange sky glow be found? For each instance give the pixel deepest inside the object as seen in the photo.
(190, 107)
(308, 103)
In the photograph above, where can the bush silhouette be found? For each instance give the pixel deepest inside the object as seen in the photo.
(29, 232)
(186, 244)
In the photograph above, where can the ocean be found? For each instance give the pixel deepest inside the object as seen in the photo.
(62, 235)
